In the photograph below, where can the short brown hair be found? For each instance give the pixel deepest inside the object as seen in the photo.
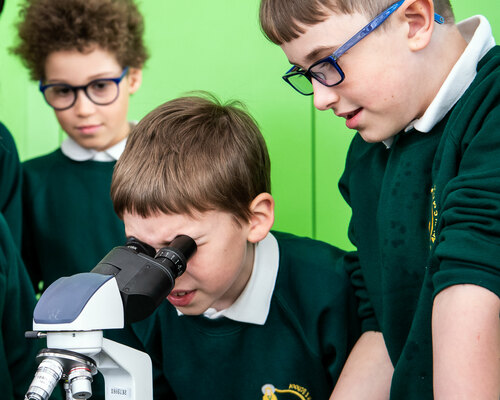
(192, 154)
(53, 25)
(283, 20)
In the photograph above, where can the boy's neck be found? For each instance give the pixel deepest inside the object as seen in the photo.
(444, 50)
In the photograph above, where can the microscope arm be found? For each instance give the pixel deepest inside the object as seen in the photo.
(136, 382)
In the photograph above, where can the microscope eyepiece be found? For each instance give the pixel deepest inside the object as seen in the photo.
(184, 244)
(176, 255)
(145, 278)
(140, 247)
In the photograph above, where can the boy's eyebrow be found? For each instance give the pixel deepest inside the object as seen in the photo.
(100, 75)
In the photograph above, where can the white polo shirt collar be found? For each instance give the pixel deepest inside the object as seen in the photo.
(75, 152)
(477, 32)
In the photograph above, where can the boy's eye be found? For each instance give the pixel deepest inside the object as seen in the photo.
(320, 75)
(320, 72)
(325, 72)
(101, 86)
(60, 91)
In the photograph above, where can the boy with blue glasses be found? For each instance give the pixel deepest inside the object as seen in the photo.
(421, 178)
(87, 56)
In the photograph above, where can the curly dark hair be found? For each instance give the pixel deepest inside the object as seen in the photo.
(53, 25)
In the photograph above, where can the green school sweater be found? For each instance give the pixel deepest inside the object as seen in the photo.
(299, 351)
(70, 225)
(10, 184)
(425, 216)
(17, 301)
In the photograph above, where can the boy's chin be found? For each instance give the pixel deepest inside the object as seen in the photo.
(371, 136)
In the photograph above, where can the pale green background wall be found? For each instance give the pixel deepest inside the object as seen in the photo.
(217, 45)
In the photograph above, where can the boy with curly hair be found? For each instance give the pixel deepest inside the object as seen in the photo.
(87, 56)
(422, 178)
(256, 314)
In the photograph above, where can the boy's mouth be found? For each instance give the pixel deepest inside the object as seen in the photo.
(88, 129)
(181, 298)
(352, 114)
(351, 118)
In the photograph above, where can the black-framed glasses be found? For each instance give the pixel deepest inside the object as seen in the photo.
(102, 91)
(327, 71)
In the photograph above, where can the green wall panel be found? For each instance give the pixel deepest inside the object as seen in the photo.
(217, 46)
(194, 45)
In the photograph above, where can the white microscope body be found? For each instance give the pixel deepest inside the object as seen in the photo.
(75, 324)
(127, 285)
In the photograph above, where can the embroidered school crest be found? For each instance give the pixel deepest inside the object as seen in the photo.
(433, 217)
(292, 392)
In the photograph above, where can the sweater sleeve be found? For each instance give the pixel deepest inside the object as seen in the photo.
(18, 301)
(366, 312)
(30, 184)
(10, 181)
(468, 246)
(352, 265)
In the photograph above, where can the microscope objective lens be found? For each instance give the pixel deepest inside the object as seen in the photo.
(47, 376)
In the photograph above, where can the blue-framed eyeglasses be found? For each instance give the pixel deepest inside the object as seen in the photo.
(102, 91)
(327, 71)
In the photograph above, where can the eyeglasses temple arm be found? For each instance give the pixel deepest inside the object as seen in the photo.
(375, 23)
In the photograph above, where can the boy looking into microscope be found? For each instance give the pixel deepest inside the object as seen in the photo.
(256, 313)
(421, 177)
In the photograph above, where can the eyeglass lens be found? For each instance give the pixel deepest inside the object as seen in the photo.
(301, 83)
(101, 92)
(326, 73)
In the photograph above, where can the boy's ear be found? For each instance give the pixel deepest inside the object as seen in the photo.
(134, 79)
(262, 219)
(419, 15)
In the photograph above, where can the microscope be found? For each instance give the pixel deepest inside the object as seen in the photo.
(127, 285)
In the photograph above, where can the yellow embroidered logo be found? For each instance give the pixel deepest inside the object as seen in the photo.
(296, 391)
(433, 217)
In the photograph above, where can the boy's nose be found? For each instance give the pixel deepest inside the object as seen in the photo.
(324, 97)
(83, 105)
